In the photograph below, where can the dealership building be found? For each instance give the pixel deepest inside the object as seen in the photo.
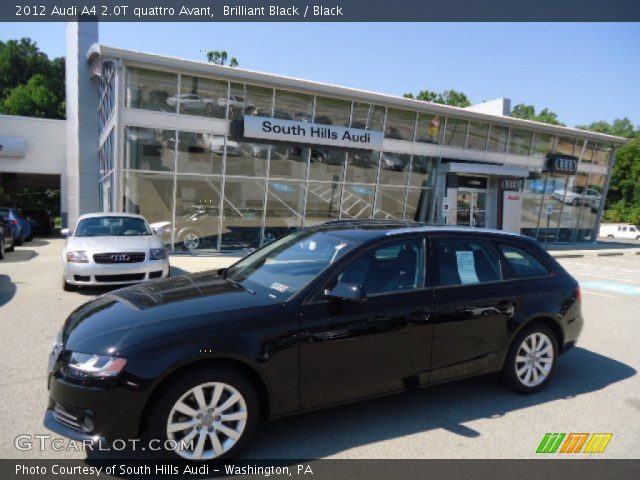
(223, 158)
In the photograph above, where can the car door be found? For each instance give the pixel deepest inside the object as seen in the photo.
(353, 349)
(471, 313)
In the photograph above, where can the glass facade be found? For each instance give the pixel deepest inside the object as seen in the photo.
(208, 188)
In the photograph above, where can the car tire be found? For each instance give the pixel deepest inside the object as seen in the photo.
(18, 241)
(610, 236)
(29, 238)
(12, 247)
(529, 371)
(67, 287)
(1, 248)
(575, 202)
(178, 405)
(190, 239)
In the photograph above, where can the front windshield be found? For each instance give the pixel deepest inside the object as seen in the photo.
(289, 264)
(112, 227)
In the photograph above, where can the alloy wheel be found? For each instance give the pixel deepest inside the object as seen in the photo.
(534, 359)
(191, 241)
(207, 421)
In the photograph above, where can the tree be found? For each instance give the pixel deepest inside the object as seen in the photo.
(35, 99)
(528, 112)
(621, 127)
(447, 97)
(220, 58)
(21, 61)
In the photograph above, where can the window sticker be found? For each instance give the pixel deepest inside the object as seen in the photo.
(466, 267)
(279, 287)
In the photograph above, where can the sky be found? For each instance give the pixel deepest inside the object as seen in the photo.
(583, 72)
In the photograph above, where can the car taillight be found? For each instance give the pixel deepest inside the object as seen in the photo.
(578, 294)
(14, 222)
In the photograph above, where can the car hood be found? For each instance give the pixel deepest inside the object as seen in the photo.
(114, 244)
(166, 308)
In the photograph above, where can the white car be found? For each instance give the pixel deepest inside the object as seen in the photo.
(620, 230)
(190, 102)
(112, 249)
(575, 196)
(236, 102)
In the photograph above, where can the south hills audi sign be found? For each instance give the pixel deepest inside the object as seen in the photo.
(275, 129)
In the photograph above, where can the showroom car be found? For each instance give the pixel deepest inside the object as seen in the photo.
(577, 196)
(22, 227)
(6, 237)
(112, 249)
(331, 314)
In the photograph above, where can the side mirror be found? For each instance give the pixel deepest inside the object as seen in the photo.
(222, 272)
(64, 232)
(347, 292)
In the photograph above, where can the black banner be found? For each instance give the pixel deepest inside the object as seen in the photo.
(314, 11)
(582, 469)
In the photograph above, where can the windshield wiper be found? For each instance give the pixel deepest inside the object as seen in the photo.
(240, 286)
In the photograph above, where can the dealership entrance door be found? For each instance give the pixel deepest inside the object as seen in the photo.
(471, 208)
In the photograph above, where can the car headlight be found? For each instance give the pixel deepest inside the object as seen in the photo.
(94, 366)
(157, 254)
(77, 257)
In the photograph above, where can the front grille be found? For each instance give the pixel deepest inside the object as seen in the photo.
(81, 278)
(127, 277)
(119, 257)
(67, 418)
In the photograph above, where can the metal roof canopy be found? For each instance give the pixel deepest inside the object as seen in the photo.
(179, 65)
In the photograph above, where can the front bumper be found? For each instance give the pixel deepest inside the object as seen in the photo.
(94, 414)
(94, 274)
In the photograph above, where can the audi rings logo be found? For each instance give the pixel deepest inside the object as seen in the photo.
(121, 257)
(566, 164)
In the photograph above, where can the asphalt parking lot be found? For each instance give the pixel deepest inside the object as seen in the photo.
(596, 387)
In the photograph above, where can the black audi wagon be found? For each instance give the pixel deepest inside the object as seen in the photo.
(331, 314)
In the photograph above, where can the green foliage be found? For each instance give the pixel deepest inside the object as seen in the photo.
(621, 127)
(448, 97)
(528, 112)
(34, 99)
(30, 83)
(220, 58)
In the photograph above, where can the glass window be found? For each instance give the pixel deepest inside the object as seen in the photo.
(202, 96)
(522, 263)
(430, 128)
(586, 154)
(418, 204)
(330, 111)
(150, 149)
(289, 161)
(151, 89)
(464, 261)
(242, 213)
(357, 202)
(498, 139)
(400, 124)
(542, 144)
(251, 100)
(456, 132)
(477, 138)
(390, 203)
(247, 159)
(566, 146)
(197, 212)
(323, 202)
(291, 263)
(200, 153)
(591, 202)
(362, 166)
(394, 168)
(151, 195)
(421, 171)
(520, 141)
(115, 226)
(285, 201)
(367, 116)
(293, 106)
(602, 154)
(326, 165)
(393, 267)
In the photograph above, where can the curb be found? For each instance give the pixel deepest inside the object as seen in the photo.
(594, 253)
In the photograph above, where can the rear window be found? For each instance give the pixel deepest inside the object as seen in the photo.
(522, 263)
(465, 262)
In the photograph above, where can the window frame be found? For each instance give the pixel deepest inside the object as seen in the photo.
(435, 266)
(313, 297)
